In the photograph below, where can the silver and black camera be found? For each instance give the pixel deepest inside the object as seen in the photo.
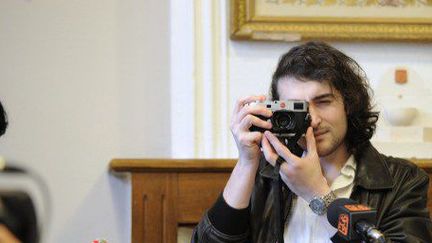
(290, 118)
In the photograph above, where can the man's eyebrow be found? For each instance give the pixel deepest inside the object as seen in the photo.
(323, 96)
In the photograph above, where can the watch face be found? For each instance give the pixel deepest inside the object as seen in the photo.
(317, 205)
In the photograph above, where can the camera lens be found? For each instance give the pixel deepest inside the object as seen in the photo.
(283, 120)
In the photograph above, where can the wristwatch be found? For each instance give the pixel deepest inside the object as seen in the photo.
(320, 204)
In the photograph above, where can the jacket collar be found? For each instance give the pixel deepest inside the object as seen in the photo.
(372, 172)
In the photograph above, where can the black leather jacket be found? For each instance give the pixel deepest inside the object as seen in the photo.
(395, 187)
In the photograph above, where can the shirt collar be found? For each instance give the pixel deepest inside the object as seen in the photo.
(350, 167)
(347, 175)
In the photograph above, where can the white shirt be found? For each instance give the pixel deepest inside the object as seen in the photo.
(306, 226)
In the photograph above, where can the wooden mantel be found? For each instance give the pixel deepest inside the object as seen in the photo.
(167, 165)
(198, 165)
(167, 193)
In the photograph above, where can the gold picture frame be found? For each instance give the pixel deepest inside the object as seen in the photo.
(295, 20)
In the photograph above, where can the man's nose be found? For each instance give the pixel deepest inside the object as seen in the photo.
(315, 117)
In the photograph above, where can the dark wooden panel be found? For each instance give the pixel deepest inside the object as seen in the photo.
(197, 192)
(153, 207)
(169, 192)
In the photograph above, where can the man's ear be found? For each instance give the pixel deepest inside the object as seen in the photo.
(347, 110)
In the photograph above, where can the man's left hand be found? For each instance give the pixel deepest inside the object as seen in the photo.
(302, 175)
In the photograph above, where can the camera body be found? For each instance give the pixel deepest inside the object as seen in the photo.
(290, 118)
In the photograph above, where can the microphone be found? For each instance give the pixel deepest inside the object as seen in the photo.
(354, 221)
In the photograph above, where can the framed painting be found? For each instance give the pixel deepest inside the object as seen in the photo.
(294, 20)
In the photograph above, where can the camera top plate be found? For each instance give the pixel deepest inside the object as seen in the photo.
(289, 105)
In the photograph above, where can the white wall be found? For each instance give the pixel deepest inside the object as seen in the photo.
(221, 71)
(84, 82)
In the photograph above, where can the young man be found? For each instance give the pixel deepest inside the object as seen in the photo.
(338, 161)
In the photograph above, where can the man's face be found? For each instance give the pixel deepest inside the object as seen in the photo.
(326, 107)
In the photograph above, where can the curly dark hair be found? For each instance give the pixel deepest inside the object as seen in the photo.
(320, 62)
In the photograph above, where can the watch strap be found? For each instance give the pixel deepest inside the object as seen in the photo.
(319, 204)
(329, 198)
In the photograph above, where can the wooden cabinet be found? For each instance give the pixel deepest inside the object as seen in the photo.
(167, 193)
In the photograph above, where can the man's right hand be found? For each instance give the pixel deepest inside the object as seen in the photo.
(243, 118)
(238, 189)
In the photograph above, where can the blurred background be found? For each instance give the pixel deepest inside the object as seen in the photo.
(84, 82)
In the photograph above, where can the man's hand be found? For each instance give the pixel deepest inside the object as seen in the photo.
(244, 117)
(6, 236)
(302, 175)
(239, 187)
